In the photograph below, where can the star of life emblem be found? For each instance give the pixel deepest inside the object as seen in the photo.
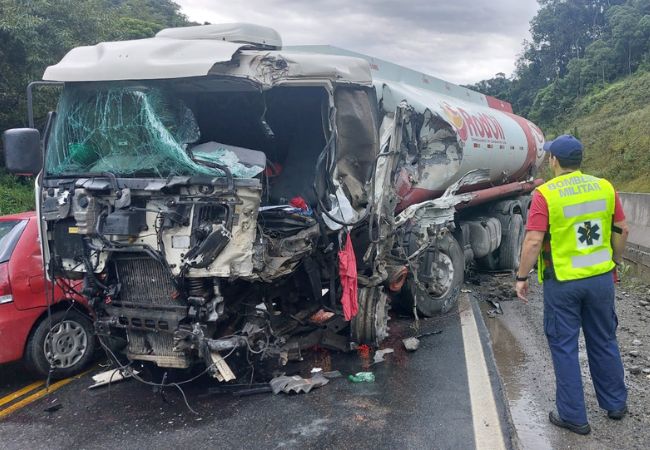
(589, 233)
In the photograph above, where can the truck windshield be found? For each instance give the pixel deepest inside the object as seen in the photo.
(138, 130)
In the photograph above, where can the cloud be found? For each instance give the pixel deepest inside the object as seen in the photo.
(462, 41)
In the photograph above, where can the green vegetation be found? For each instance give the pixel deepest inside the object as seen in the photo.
(16, 195)
(37, 33)
(587, 71)
(614, 127)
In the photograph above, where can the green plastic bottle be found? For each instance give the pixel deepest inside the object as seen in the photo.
(362, 377)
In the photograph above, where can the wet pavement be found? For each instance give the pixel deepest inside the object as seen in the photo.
(524, 363)
(419, 400)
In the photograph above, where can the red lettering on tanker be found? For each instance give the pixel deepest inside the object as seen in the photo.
(478, 126)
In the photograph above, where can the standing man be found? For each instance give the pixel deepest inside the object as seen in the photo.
(577, 228)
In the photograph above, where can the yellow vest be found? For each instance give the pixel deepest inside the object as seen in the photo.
(580, 214)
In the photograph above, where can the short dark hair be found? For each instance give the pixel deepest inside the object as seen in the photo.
(569, 163)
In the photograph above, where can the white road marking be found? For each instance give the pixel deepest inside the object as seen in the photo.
(487, 426)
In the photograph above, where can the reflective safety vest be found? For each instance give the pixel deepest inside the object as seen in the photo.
(580, 214)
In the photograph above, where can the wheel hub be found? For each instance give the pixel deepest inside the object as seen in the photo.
(441, 278)
(65, 344)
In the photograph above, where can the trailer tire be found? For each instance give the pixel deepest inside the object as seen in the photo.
(370, 325)
(510, 249)
(435, 299)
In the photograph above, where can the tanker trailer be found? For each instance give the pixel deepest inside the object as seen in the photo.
(205, 183)
(460, 182)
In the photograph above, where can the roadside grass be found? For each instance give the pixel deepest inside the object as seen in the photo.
(614, 126)
(16, 194)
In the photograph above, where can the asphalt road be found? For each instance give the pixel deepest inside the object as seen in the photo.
(429, 399)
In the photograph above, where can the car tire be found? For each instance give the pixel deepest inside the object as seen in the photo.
(72, 346)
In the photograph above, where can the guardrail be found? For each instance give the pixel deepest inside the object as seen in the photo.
(637, 214)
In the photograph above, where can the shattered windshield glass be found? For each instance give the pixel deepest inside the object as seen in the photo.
(130, 131)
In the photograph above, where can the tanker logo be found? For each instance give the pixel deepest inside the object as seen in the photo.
(478, 125)
(456, 121)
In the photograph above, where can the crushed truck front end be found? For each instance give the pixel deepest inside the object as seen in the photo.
(204, 212)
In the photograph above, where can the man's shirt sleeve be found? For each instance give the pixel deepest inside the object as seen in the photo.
(537, 214)
(619, 215)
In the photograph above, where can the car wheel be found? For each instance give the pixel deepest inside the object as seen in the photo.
(67, 347)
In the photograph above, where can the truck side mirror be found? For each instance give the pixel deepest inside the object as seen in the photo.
(22, 148)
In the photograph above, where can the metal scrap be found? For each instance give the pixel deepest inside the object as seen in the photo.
(297, 384)
(411, 344)
(111, 376)
(379, 355)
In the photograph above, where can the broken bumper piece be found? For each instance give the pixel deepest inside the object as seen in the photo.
(297, 384)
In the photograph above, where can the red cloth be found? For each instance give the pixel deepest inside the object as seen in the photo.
(348, 274)
(299, 202)
(538, 213)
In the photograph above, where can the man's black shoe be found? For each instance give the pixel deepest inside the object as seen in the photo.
(617, 414)
(578, 429)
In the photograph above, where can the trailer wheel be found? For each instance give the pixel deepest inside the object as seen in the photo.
(370, 325)
(441, 271)
(510, 249)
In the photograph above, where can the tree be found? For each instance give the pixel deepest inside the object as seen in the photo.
(38, 33)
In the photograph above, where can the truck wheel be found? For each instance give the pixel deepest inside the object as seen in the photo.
(370, 325)
(510, 248)
(69, 345)
(441, 271)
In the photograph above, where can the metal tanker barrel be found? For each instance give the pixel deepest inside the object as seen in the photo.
(448, 137)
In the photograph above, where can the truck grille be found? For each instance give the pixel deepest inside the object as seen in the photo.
(144, 281)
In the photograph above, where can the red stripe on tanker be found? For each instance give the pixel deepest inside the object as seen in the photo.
(457, 137)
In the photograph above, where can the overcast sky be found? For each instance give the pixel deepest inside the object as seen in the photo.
(462, 41)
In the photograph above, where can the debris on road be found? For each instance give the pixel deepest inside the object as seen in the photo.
(411, 344)
(634, 370)
(332, 374)
(634, 353)
(362, 377)
(111, 377)
(297, 384)
(379, 355)
(53, 408)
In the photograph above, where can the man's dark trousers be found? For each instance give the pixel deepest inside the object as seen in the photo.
(568, 305)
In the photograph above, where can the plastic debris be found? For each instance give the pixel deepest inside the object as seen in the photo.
(379, 355)
(362, 377)
(332, 374)
(297, 384)
(466, 291)
(111, 376)
(411, 344)
(316, 370)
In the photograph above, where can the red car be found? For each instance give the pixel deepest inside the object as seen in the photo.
(63, 340)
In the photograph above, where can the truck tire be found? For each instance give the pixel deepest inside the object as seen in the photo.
(510, 248)
(71, 348)
(370, 325)
(439, 283)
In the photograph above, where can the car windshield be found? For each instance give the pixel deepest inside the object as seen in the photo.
(126, 129)
(10, 231)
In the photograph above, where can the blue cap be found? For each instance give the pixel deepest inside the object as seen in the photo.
(565, 147)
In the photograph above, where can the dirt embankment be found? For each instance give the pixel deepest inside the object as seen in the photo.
(525, 365)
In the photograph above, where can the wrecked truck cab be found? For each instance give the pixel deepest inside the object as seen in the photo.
(223, 197)
(203, 198)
